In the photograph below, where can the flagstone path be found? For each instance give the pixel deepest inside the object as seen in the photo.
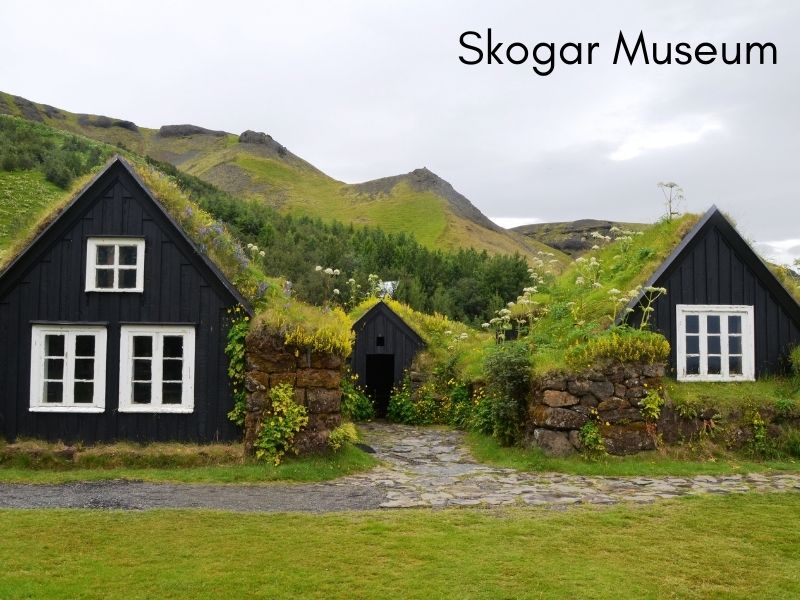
(421, 467)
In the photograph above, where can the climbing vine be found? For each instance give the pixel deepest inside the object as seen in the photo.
(235, 351)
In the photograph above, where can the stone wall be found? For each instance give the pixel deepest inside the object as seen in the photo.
(562, 404)
(316, 379)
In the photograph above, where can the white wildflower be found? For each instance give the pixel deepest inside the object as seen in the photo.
(328, 271)
(318, 268)
(336, 291)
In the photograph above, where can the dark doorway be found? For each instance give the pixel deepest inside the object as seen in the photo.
(380, 380)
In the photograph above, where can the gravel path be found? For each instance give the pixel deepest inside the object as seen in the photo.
(421, 468)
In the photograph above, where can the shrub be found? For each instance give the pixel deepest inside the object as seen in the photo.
(794, 360)
(283, 421)
(356, 405)
(344, 434)
(592, 442)
(623, 345)
(790, 443)
(507, 371)
(650, 406)
(401, 407)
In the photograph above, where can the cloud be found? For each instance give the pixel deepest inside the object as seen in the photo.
(783, 252)
(659, 137)
(511, 222)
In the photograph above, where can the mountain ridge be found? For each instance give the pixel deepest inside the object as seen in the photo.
(254, 165)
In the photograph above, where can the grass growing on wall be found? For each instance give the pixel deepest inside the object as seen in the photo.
(40, 462)
(738, 546)
(677, 461)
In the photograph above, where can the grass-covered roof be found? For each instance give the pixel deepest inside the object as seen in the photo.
(31, 202)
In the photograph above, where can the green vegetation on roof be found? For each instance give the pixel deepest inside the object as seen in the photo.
(30, 204)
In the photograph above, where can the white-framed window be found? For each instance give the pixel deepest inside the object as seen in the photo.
(68, 368)
(156, 368)
(114, 265)
(715, 343)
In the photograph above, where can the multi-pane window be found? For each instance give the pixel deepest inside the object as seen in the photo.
(68, 368)
(715, 342)
(156, 369)
(114, 265)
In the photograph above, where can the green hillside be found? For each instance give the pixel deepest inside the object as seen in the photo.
(255, 166)
(41, 168)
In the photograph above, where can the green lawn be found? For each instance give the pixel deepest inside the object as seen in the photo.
(674, 461)
(740, 546)
(166, 468)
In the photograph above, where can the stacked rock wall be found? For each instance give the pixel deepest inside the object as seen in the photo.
(562, 404)
(315, 377)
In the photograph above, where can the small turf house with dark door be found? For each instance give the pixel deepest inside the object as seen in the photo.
(726, 315)
(113, 325)
(385, 346)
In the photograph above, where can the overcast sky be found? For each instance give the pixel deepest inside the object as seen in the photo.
(369, 89)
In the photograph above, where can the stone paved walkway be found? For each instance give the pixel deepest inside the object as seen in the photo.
(430, 467)
(422, 467)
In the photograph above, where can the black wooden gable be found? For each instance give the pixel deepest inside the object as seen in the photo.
(714, 265)
(396, 325)
(117, 182)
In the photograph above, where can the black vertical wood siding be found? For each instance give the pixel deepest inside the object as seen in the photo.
(717, 266)
(178, 288)
(399, 340)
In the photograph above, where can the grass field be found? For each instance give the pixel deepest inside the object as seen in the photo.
(743, 546)
(673, 461)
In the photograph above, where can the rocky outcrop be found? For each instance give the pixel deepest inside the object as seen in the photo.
(315, 377)
(261, 138)
(187, 130)
(105, 122)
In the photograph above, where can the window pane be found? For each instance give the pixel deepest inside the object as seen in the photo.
(171, 393)
(127, 279)
(713, 344)
(141, 393)
(84, 392)
(714, 365)
(53, 392)
(734, 324)
(173, 346)
(735, 365)
(104, 279)
(142, 370)
(735, 344)
(692, 365)
(692, 324)
(84, 368)
(84, 345)
(127, 255)
(105, 255)
(712, 324)
(173, 370)
(54, 368)
(692, 344)
(54, 345)
(142, 345)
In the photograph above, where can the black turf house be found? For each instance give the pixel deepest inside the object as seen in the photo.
(384, 348)
(726, 316)
(113, 325)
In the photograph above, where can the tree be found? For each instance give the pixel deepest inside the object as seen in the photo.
(673, 197)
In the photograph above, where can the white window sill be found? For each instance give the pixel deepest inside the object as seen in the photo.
(67, 409)
(178, 410)
(113, 291)
(712, 378)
